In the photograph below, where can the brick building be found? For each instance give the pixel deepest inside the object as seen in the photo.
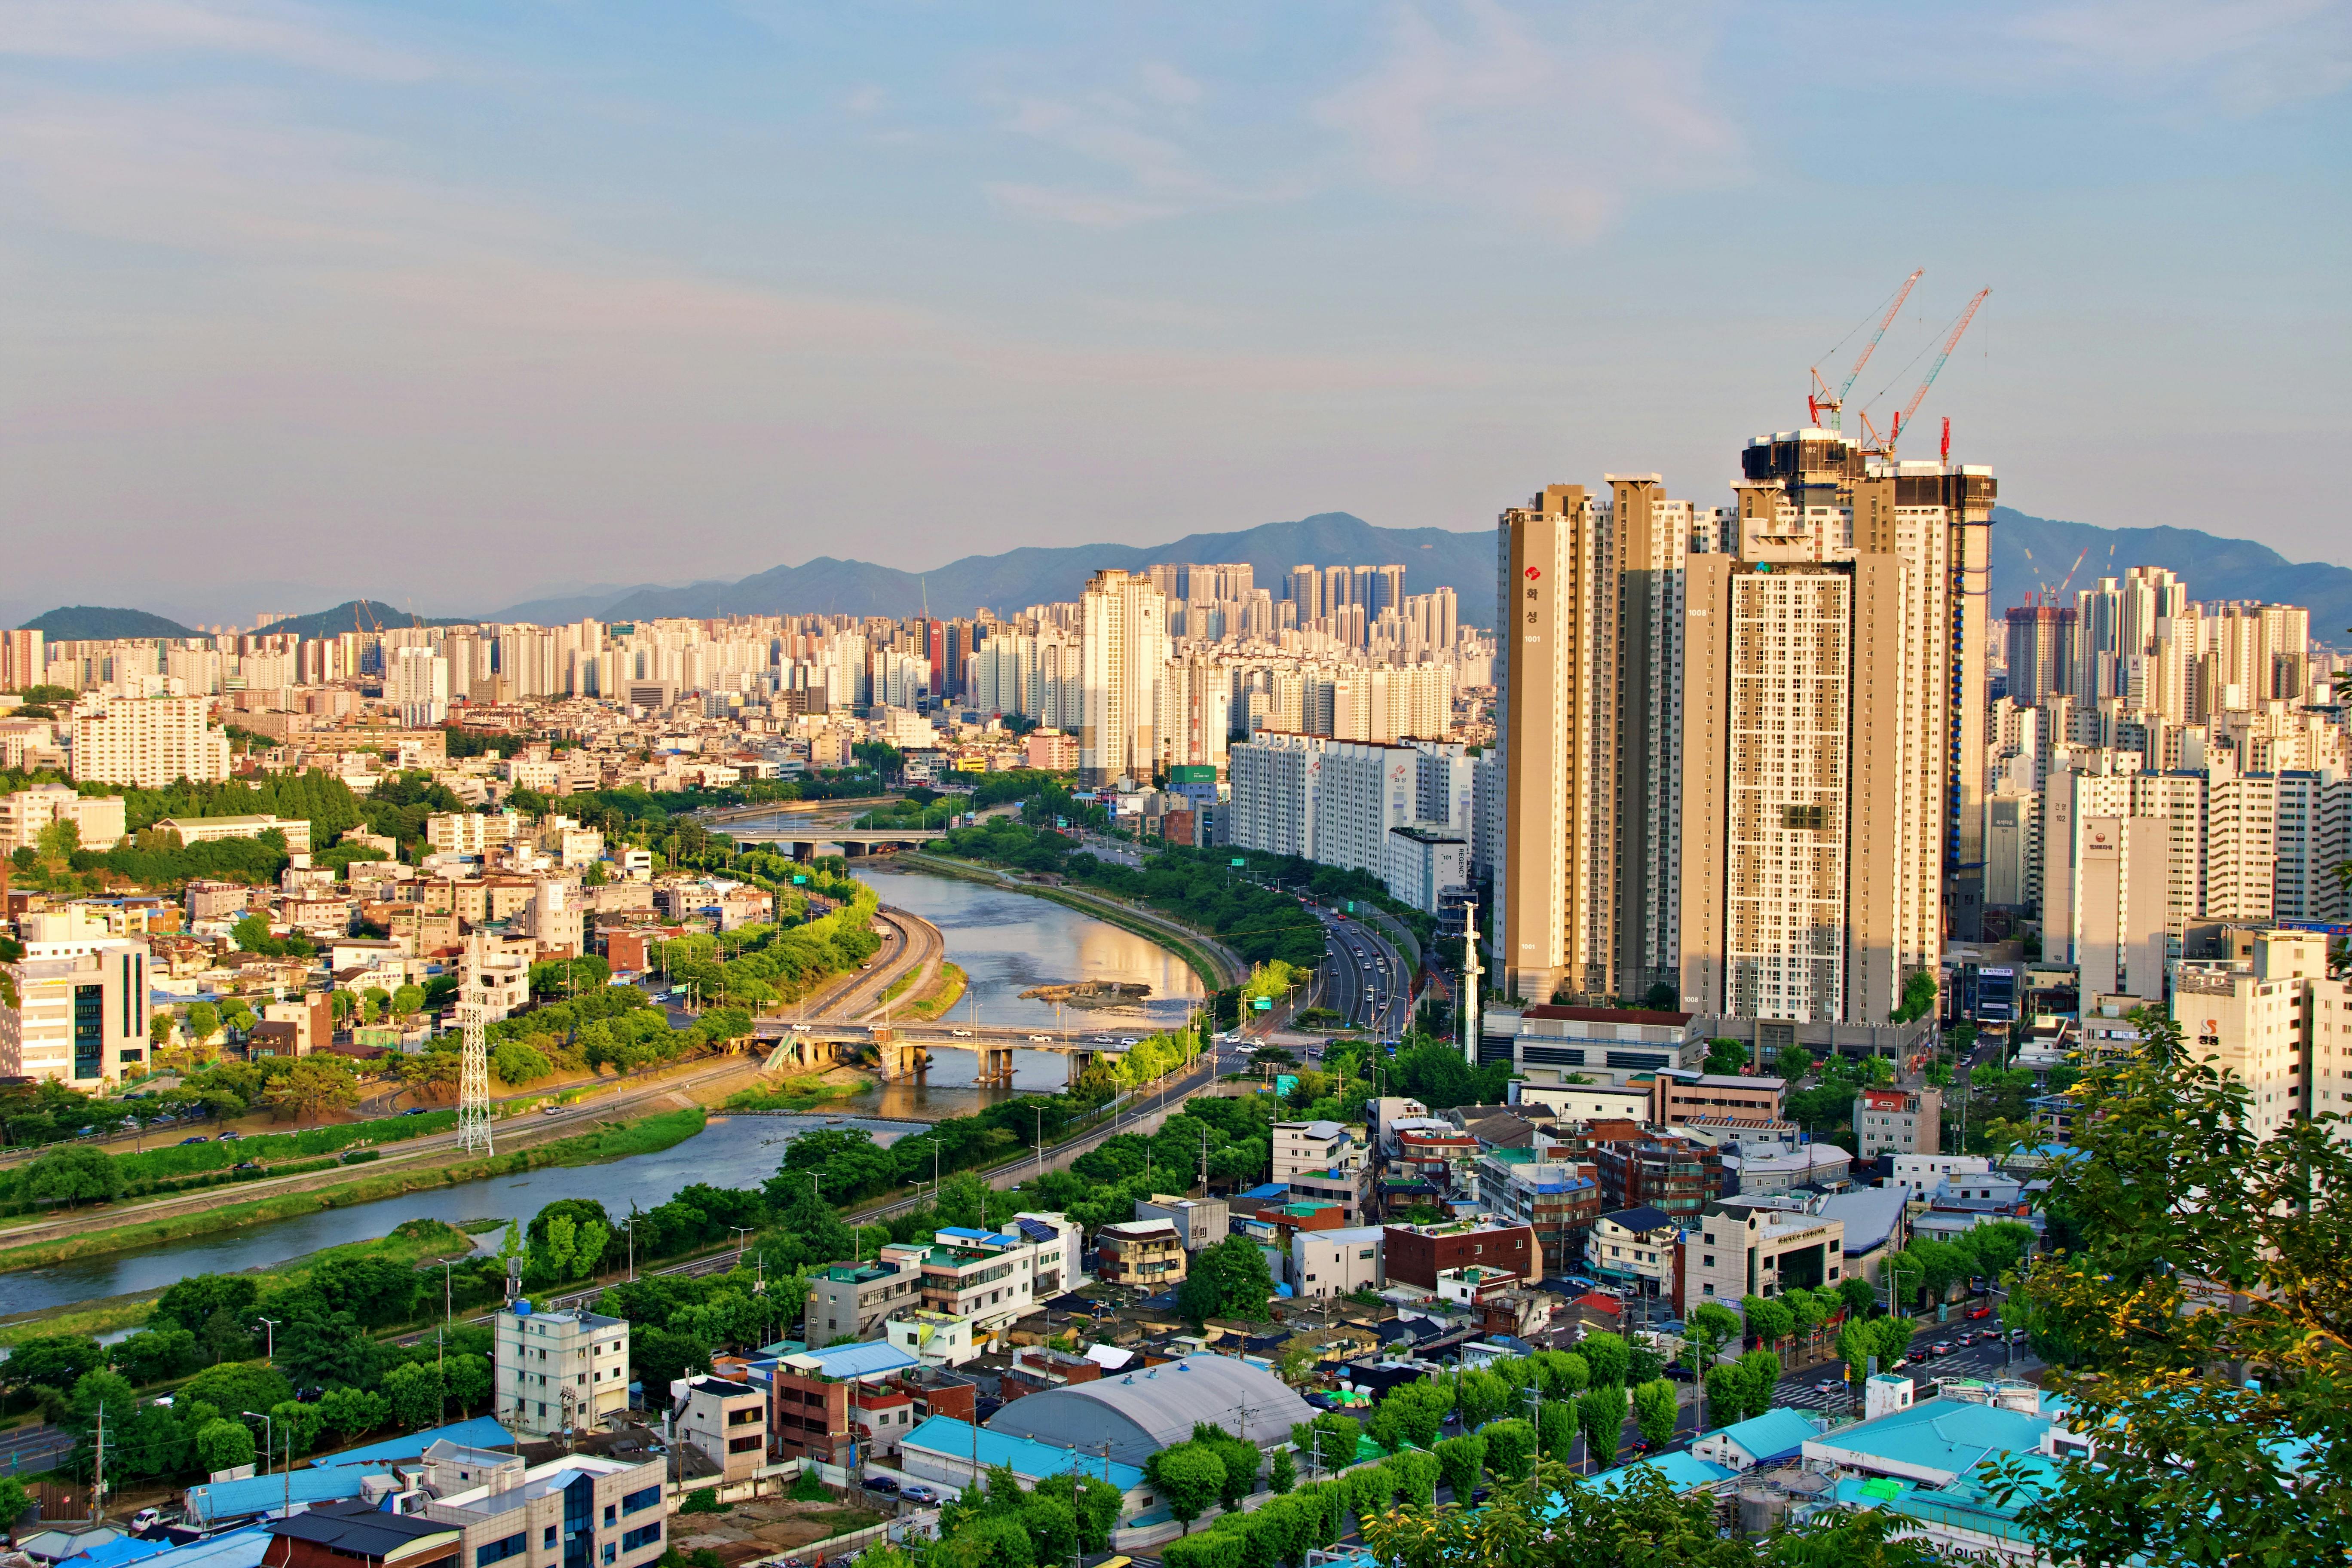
(1418, 1254)
(1678, 1175)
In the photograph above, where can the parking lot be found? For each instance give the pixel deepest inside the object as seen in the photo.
(1985, 1358)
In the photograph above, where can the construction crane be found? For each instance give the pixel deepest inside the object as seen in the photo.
(1821, 399)
(1894, 431)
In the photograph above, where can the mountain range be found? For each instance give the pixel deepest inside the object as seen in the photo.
(2029, 554)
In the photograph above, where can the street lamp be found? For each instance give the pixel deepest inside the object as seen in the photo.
(269, 1349)
(269, 1442)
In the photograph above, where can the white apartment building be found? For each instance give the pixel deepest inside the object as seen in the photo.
(1337, 802)
(2314, 837)
(1303, 1146)
(2259, 1021)
(473, 833)
(99, 820)
(148, 741)
(80, 1012)
(559, 1372)
(992, 1277)
(1336, 1262)
(1759, 1248)
(1124, 653)
(1921, 1174)
(416, 682)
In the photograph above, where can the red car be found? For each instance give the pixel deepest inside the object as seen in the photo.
(1979, 1312)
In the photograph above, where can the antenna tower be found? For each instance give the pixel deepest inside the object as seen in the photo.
(473, 1079)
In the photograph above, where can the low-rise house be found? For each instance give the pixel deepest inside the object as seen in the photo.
(559, 1371)
(1203, 1222)
(1148, 1254)
(729, 1423)
(1335, 1262)
(1634, 1246)
(957, 1454)
(854, 1299)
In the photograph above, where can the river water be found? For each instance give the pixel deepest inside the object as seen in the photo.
(1005, 941)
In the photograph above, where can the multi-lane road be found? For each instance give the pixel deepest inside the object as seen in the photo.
(1364, 979)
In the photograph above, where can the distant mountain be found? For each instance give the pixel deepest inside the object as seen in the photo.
(89, 623)
(361, 616)
(2028, 551)
(1432, 557)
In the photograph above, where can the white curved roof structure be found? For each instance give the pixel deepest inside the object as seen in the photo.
(1138, 1413)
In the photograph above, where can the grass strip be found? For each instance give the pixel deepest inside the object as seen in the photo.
(614, 1141)
(944, 995)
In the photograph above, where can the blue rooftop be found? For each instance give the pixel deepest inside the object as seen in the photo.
(1682, 1471)
(230, 1549)
(481, 1432)
(1028, 1458)
(866, 1358)
(1267, 1191)
(1770, 1434)
(218, 1500)
(1938, 1439)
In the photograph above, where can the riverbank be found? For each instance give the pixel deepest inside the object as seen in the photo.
(416, 1243)
(611, 1140)
(1216, 967)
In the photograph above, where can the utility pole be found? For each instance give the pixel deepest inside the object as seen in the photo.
(97, 1483)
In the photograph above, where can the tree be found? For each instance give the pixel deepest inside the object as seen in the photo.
(1460, 1462)
(1189, 1476)
(52, 1361)
(1412, 1413)
(349, 1412)
(1511, 1448)
(234, 1387)
(1759, 1374)
(153, 1355)
(1864, 1338)
(72, 1174)
(190, 1302)
(415, 1393)
(468, 1380)
(14, 1500)
(1727, 1056)
(224, 1445)
(203, 1022)
(1480, 1396)
(1726, 1394)
(1855, 1295)
(1282, 1473)
(159, 1028)
(314, 1086)
(1600, 1417)
(1239, 1458)
(408, 1000)
(1655, 1408)
(1230, 1279)
(2199, 1318)
(1807, 1310)
(1918, 997)
(1606, 1354)
(1767, 1320)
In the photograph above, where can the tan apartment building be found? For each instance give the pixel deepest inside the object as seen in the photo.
(1148, 1254)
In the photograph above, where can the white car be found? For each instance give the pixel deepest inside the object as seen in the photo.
(960, 1034)
(1041, 1039)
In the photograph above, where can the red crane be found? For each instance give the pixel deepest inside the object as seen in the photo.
(1894, 431)
(1820, 398)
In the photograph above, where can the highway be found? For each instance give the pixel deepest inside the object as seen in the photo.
(1365, 981)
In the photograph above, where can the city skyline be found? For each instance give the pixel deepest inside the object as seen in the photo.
(540, 297)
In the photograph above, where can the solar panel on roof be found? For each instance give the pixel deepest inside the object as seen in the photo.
(1036, 1229)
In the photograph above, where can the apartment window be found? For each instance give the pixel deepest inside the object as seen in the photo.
(637, 1502)
(547, 1538)
(500, 1551)
(611, 1551)
(612, 1513)
(643, 1536)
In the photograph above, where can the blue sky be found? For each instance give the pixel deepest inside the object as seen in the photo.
(464, 303)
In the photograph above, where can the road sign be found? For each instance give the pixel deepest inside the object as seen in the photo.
(798, 878)
(1240, 861)
(1263, 1003)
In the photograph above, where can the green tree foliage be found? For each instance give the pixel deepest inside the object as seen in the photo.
(1412, 1413)
(52, 1361)
(2198, 1320)
(153, 1355)
(415, 1392)
(1461, 1463)
(1726, 1056)
(1511, 1448)
(1654, 1408)
(1480, 1396)
(1556, 1428)
(224, 1445)
(1609, 1357)
(1241, 1459)
(1282, 1472)
(1863, 1338)
(234, 1387)
(1759, 1374)
(1230, 1279)
(71, 1176)
(1189, 1476)
(1767, 1320)
(1600, 1417)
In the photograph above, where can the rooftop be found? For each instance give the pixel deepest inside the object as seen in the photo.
(1027, 1456)
(866, 1358)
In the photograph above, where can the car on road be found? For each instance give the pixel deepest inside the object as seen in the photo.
(1985, 1312)
(186, 1141)
(1940, 1348)
(1129, 1041)
(1041, 1039)
(550, 1110)
(1105, 1041)
(231, 1136)
(880, 1484)
(918, 1494)
(1828, 1386)
(960, 1034)
(247, 1165)
(414, 1111)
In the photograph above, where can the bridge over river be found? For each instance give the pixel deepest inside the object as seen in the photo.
(903, 1049)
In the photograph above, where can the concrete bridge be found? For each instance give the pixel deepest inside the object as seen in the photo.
(904, 1051)
(853, 841)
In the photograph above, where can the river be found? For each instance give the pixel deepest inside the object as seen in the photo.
(1005, 941)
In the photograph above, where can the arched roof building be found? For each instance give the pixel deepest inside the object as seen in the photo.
(1138, 1413)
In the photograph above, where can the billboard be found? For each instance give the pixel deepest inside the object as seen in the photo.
(1192, 773)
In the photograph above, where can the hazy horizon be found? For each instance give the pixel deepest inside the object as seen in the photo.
(474, 305)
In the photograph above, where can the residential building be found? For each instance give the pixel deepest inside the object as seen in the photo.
(1335, 1262)
(1756, 1247)
(1417, 1254)
(1679, 1176)
(1634, 1246)
(1773, 1169)
(852, 1299)
(98, 819)
(1897, 1122)
(834, 1405)
(728, 1421)
(1681, 1096)
(1918, 1175)
(1148, 1254)
(148, 741)
(1124, 648)
(79, 1010)
(989, 1277)
(569, 1512)
(1203, 1222)
(1556, 1199)
(2259, 1021)
(936, 1339)
(559, 1371)
(1348, 1186)
(1308, 1146)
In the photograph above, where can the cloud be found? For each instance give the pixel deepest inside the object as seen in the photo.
(252, 29)
(1168, 85)
(1557, 123)
(2241, 56)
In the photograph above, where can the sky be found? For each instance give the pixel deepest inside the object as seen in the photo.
(455, 303)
